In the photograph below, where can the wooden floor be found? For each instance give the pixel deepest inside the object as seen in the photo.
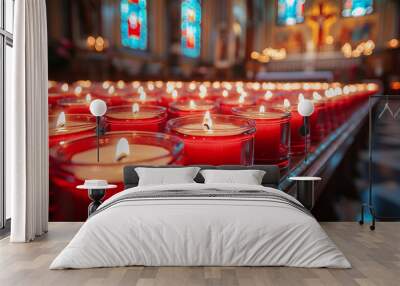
(375, 257)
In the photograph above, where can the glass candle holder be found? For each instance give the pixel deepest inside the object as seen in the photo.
(226, 104)
(77, 105)
(145, 118)
(54, 97)
(272, 137)
(76, 125)
(76, 160)
(191, 107)
(227, 139)
(320, 124)
(115, 97)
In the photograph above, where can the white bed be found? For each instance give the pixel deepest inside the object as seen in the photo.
(246, 225)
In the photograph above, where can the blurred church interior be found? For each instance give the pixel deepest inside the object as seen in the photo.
(347, 41)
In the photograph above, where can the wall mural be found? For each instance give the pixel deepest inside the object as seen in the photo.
(134, 24)
(191, 28)
(184, 123)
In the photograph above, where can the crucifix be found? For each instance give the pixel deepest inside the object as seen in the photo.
(320, 19)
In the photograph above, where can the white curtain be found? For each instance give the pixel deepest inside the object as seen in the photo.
(26, 124)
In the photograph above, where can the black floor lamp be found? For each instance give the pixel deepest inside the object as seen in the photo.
(98, 108)
(305, 109)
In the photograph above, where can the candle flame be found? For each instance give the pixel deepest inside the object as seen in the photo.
(192, 86)
(301, 97)
(120, 84)
(78, 90)
(135, 108)
(150, 86)
(111, 90)
(317, 96)
(202, 88)
(203, 94)
(262, 109)
(106, 84)
(192, 104)
(135, 84)
(216, 84)
(207, 121)
(140, 89)
(268, 95)
(61, 121)
(88, 98)
(52, 83)
(225, 93)
(286, 103)
(174, 94)
(122, 149)
(64, 87)
(142, 96)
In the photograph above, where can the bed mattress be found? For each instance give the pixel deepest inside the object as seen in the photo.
(201, 225)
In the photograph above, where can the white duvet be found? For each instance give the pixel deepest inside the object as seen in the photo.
(200, 231)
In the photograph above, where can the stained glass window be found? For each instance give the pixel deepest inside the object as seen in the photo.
(290, 12)
(356, 8)
(191, 28)
(134, 24)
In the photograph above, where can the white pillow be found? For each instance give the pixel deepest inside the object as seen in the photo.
(166, 176)
(248, 177)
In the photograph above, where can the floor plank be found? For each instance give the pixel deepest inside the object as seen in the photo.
(375, 257)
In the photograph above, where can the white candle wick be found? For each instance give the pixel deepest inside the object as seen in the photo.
(120, 84)
(78, 90)
(174, 94)
(64, 87)
(61, 121)
(286, 103)
(316, 96)
(207, 121)
(241, 98)
(111, 90)
(142, 96)
(122, 149)
(88, 98)
(135, 108)
(192, 104)
(268, 95)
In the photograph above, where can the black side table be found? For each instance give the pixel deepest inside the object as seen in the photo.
(305, 192)
(96, 193)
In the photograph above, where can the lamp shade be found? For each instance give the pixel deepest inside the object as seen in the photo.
(305, 107)
(98, 107)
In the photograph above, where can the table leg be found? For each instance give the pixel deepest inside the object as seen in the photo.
(96, 195)
(305, 193)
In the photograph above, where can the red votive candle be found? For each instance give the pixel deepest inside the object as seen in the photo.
(77, 105)
(63, 127)
(320, 125)
(215, 139)
(227, 103)
(271, 145)
(136, 117)
(115, 97)
(76, 160)
(191, 107)
(170, 97)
